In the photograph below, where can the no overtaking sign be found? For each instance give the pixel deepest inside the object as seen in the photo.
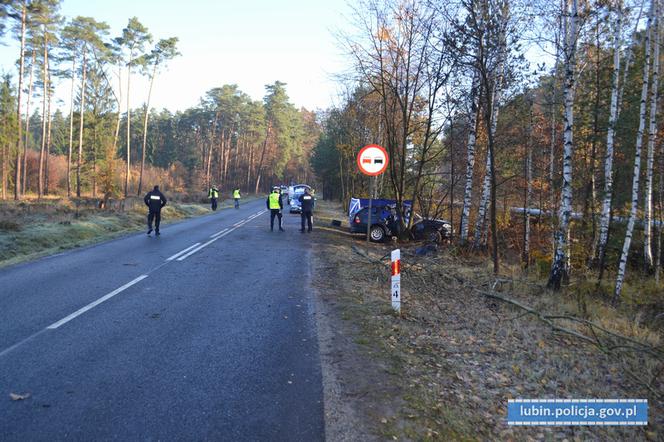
(372, 160)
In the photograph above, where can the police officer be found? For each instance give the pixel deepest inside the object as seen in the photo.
(275, 205)
(236, 197)
(307, 205)
(155, 200)
(213, 194)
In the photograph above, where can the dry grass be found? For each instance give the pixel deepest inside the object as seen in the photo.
(458, 355)
(29, 230)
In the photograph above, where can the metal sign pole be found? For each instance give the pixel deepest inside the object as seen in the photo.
(371, 181)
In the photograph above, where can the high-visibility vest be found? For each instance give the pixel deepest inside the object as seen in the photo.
(236, 193)
(214, 193)
(274, 201)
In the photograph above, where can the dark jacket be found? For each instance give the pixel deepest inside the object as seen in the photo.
(155, 200)
(307, 202)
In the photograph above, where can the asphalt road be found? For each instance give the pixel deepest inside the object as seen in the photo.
(135, 339)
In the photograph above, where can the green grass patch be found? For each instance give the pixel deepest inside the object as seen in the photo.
(32, 230)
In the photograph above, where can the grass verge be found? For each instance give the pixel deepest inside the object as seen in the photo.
(30, 230)
(445, 368)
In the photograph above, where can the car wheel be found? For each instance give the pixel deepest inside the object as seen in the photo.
(377, 234)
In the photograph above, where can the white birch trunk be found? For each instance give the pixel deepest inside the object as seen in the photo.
(480, 223)
(560, 265)
(619, 89)
(481, 226)
(660, 205)
(622, 265)
(470, 158)
(652, 133)
(608, 158)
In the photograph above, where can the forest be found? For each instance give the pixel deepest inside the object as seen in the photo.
(97, 145)
(532, 126)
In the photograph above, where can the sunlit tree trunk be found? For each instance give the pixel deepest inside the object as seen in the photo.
(42, 151)
(145, 128)
(48, 140)
(622, 265)
(470, 158)
(80, 130)
(116, 135)
(650, 162)
(27, 123)
(71, 127)
(259, 170)
(19, 135)
(560, 264)
(128, 172)
(660, 206)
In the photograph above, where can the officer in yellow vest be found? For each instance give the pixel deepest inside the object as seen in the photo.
(213, 194)
(275, 205)
(236, 197)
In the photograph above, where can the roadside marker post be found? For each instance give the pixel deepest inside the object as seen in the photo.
(395, 292)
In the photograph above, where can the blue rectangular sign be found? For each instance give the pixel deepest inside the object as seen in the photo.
(577, 412)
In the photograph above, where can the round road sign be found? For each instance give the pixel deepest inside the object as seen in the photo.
(372, 160)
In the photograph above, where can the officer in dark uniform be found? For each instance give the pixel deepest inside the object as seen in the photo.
(307, 204)
(275, 205)
(155, 200)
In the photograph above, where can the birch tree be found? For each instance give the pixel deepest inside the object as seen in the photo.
(617, 90)
(622, 265)
(492, 28)
(473, 115)
(652, 134)
(560, 267)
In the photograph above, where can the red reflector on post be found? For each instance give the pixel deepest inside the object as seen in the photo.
(396, 267)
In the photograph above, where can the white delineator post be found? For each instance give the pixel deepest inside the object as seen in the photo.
(396, 280)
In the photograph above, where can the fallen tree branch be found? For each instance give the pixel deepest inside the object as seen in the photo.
(608, 332)
(548, 319)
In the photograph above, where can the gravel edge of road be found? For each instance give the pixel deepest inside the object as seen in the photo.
(342, 422)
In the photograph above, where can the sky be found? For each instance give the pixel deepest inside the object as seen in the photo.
(250, 43)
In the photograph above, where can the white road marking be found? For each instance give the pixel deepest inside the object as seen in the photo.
(218, 233)
(95, 303)
(215, 237)
(18, 344)
(179, 256)
(171, 258)
(191, 252)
